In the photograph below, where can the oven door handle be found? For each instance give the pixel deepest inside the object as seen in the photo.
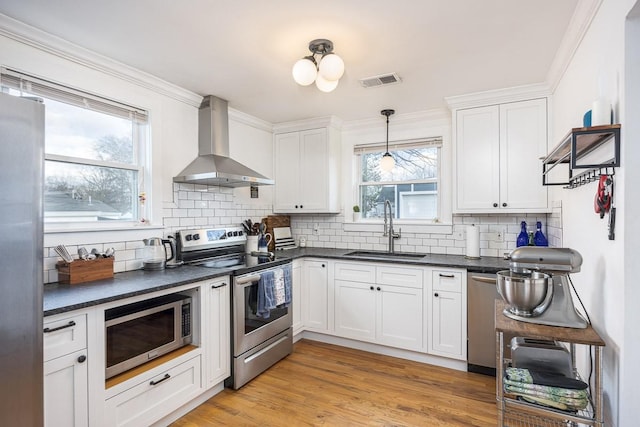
(243, 280)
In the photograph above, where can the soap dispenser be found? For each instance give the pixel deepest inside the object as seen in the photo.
(523, 237)
(540, 239)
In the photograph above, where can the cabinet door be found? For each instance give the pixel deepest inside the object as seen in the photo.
(314, 171)
(315, 295)
(219, 355)
(355, 309)
(287, 172)
(399, 319)
(523, 138)
(477, 158)
(296, 296)
(66, 391)
(446, 324)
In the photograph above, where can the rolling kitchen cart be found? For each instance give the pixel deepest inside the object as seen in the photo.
(513, 412)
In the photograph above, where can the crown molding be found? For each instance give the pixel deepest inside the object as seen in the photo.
(498, 96)
(249, 120)
(433, 117)
(38, 39)
(319, 122)
(583, 15)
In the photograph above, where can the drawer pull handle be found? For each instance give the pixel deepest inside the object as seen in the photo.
(166, 377)
(82, 358)
(68, 325)
(218, 286)
(378, 288)
(448, 276)
(371, 287)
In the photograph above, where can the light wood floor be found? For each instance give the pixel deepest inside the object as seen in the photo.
(322, 384)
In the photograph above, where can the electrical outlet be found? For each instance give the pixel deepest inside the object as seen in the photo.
(494, 236)
(316, 228)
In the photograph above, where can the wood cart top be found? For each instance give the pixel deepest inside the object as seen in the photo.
(587, 336)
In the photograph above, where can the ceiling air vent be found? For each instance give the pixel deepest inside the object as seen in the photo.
(381, 80)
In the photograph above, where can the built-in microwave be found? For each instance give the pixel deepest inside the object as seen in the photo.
(138, 332)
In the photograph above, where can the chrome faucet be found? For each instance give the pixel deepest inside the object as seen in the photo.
(388, 231)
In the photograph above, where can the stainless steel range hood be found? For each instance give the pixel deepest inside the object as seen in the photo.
(213, 166)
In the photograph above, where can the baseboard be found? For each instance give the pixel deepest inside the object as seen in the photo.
(458, 365)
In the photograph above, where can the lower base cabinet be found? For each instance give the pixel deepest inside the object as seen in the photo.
(448, 320)
(66, 391)
(315, 295)
(150, 400)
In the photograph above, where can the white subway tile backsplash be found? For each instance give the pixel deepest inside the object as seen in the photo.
(203, 206)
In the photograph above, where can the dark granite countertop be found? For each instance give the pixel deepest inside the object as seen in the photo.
(59, 298)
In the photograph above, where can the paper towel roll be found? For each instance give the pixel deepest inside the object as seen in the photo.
(601, 112)
(473, 242)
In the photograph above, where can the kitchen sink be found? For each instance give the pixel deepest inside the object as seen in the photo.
(386, 255)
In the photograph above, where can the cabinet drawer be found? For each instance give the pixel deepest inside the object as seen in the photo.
(64, 335)
(410, 277)
(355, 272)
(447, 280)
(156, 397)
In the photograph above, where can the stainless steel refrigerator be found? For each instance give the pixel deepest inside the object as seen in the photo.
(21, 253)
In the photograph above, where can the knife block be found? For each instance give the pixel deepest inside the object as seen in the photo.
(81, 271)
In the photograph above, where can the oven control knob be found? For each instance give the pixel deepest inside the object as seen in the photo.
(235, 234)
(188, 237)
(240, 233)
(196, 236)
(229, 233)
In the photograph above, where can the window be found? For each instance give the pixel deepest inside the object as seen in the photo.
(93, 153)
(412, 185)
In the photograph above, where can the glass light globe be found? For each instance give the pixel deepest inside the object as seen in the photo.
(331, 67)
(387, 163)
(325, 85)
(304, 71)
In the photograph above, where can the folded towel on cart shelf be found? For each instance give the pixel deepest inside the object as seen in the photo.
(528, 376)
(569, 402)
(545, 389)
(549, 403)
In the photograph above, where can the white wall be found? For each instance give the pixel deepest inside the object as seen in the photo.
(598, 68)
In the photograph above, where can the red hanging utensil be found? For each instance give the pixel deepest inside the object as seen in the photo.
(604, 195)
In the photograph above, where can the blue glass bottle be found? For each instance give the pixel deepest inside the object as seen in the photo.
(540, 239)
(523, 237)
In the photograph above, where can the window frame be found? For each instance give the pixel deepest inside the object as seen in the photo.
(141, 145)
(359, 149)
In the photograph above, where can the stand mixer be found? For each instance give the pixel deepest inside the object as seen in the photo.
(537, 286)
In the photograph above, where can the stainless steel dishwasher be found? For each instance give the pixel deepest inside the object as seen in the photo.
(481, 342)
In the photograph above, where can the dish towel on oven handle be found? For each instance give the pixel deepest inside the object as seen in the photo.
(274, 289)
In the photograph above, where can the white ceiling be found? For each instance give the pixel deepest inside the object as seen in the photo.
(243, 50)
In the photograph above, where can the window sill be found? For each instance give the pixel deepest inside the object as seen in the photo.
(407, 227)
(74, 235)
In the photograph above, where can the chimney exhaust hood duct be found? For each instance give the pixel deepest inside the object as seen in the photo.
(213, 166)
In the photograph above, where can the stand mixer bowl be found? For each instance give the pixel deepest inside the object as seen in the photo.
(527, 293)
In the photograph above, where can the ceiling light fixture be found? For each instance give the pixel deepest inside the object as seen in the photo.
(326, 73)
(387, 162)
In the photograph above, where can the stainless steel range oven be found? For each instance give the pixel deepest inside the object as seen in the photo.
(259, 341)
(260, 337)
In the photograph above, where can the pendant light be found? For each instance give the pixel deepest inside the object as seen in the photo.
(387, 163)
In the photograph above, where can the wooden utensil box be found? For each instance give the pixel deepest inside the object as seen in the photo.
(80, 271)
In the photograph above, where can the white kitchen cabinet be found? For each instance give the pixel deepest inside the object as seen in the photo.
(497, 157)
(218, 360)
(379, 303)
(65, 371)
(155, 396)
(307, 171)
(315, 295)
(296, 296)
(448, 317)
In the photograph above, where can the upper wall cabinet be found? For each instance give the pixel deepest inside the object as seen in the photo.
(307, 171)
(497, 158)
